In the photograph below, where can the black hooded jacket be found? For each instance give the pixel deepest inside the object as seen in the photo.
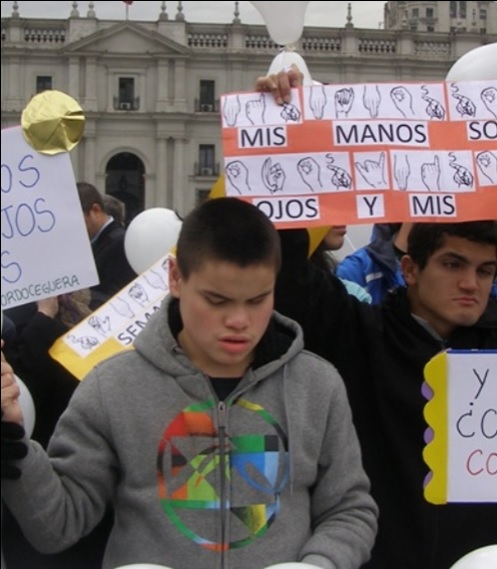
(381, 352)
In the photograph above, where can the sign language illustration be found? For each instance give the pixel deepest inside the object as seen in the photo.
(487, 164)
(344, 98)
(255, 110)
(290, 113)
(341, 179)
(465, 106)
(430, 174)
(100, 325)
(273, 176)
(401, 171)
(373, 171)
(371, 100)
(402, 99)
(238, 176)
(122, 307)
(310, 172)
(155, 280)
(489, 98)
(434, 109)
(138, 294)
(317, 101)
(231, 110)
(395, 151)
(462, 176)
(86, 342)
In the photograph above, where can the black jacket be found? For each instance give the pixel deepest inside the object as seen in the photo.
(114, 270)
(381, 352)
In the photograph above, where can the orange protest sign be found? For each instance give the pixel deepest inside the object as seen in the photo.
(365, 153)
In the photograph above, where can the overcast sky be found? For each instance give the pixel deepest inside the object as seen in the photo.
(332, 14)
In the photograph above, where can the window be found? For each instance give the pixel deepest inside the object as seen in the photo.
(430, 13)
(483, 14)
(415, 13)
(207, 96)
(462, 9)
(453, 9)
(206, 159)
(126, 90)
(43, 83)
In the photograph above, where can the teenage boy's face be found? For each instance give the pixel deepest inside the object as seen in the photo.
(225, 310)
(454, 287)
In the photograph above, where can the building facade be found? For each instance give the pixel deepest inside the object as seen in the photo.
(472, 17)
(150, 91)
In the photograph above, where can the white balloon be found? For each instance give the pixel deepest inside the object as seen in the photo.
(150, 236)
(286, 58)
(479, 64)
(27, 406)
(483, 558)
(284, 21)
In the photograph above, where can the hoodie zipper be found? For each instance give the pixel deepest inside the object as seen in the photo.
(222, 418)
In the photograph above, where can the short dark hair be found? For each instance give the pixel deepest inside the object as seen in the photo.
(227, 229)
(426, 238)
(89, 195)
(115, 207)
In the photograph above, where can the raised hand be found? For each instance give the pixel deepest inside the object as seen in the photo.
(231, 110)
(238, 176)
(371, 100)
(402, 99)
(430, 174)
(487, 163)
(255, 110)
(310, 172)
(373, 171)
(401, 170)
(344, 99)
(317, 101)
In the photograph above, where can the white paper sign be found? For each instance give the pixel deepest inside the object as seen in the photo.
(472, 415)
(461, 450)
(45, 246)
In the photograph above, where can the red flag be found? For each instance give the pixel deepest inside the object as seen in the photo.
(128, 1)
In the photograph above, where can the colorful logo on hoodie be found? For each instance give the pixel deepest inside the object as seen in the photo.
(222, 489)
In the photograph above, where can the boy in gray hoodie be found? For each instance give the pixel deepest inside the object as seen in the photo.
(220, 442)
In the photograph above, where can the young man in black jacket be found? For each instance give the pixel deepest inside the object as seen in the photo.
(381, 352)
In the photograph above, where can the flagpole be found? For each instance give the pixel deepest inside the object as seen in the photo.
(127, 11)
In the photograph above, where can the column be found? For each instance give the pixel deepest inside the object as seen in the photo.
(180, 185)
(161, 180)
(179, 86)
(91, 84)
(162, 85)
(74, 79)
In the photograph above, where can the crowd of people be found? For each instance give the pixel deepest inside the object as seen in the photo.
(269, 412)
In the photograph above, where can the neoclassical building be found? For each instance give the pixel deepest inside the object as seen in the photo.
(150, 90)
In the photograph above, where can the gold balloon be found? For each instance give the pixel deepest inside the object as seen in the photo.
(52, 122)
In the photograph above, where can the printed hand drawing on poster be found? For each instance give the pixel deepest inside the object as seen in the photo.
(365, 152)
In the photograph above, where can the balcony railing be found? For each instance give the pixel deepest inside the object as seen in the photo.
(121, 104)
(206, 170)
(203, 107)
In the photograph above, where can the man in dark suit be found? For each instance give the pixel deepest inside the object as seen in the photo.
(107, 241)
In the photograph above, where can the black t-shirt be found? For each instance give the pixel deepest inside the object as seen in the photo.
(223, 386)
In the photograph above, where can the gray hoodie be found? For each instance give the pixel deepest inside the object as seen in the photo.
(272, 475)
